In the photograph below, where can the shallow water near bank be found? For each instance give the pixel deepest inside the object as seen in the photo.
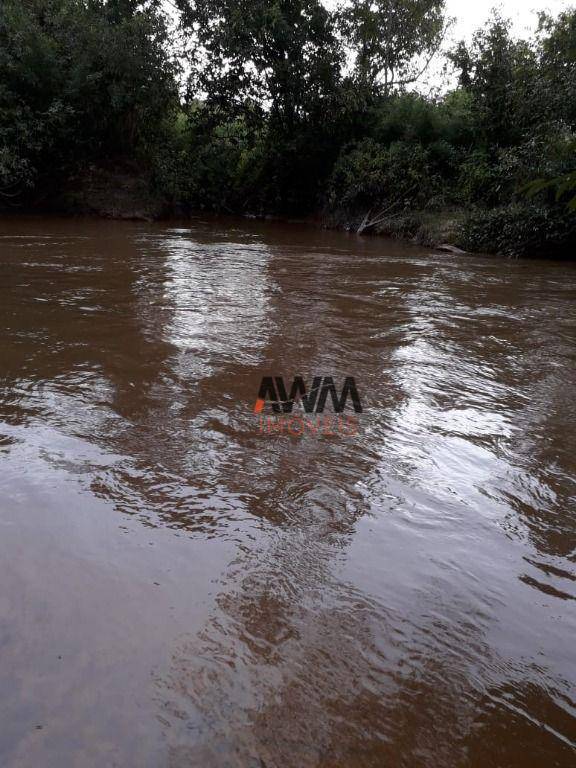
(179, 589)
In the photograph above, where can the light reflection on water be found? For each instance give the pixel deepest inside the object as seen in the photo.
(180, 590)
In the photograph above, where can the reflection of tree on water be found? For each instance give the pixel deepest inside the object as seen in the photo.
(478, 397)
(209, 307)
(125, 348)
(158, 369)
(300, 668)
(297, 668)
(77, 335)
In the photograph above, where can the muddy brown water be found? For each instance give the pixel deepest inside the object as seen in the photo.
(179, 589)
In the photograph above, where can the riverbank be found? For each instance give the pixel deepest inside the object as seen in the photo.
(117, 189)
(122, 190)
(429, 228)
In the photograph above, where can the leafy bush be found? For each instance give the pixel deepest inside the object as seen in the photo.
(371, 174)
(80, 81)
(520, 229)
(414, 118)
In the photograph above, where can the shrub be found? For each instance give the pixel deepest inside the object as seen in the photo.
(520, 229)
(371, 175)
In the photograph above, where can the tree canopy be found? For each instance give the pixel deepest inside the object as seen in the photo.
(294, 107)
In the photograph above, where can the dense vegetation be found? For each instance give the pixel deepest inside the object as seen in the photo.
(286, 107)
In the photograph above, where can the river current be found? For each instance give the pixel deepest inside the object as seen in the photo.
(180, 586)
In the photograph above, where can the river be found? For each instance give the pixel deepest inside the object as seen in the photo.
(184, 582)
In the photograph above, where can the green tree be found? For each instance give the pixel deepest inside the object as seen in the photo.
(392, 42)
(499, 73)
(277, 65)
(276, 56)
(557, 44)
(79, 80)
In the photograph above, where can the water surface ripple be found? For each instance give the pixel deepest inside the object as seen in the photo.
(178, 589)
